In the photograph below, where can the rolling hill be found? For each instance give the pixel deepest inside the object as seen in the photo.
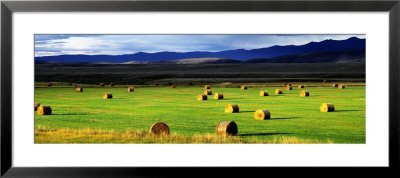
(316, 57)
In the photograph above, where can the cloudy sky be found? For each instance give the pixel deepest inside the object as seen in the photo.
(52, 45)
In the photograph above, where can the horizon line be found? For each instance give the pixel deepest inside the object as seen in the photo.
(190, 51)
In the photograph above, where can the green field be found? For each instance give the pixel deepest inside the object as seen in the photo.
(126, 118)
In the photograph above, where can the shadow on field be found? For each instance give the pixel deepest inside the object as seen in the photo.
(70, 114)
(285, 118)
(261, 134)
(346, 110)
(246, 111)
(232, 98)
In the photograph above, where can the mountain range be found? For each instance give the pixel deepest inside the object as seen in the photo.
(349, 50)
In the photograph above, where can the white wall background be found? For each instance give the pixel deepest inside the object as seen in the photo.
(373, 153)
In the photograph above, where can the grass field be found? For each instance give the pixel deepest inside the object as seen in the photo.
(126, 118)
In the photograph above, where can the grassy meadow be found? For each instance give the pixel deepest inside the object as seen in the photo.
(126, 118)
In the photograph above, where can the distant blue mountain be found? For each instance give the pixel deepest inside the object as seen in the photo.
(354, 55)
(238, 54)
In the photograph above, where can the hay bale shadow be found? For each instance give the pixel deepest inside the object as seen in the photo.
(262, 134)
(230, 98)
(285, 118)
(246, 111)
(71, 114)
(345, 110)
(274, 95)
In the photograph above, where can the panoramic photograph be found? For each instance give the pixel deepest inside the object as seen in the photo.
(200, 89)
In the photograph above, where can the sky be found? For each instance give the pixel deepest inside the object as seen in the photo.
(54, 45)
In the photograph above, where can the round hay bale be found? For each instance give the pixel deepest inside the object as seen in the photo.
(102, 84)
(262, 114)
(201, 97)
(44, 110)
(218, 96)
(231, 108)
(264, 93)
(288, 87)
(112, 84)
(341, 86)
(49, 84)
(278, 91)
(335, 85)
(304, 93)
(80, 89)
(207, 87)
(208, 92)
(131, 89)
(173, 86)
(107, 96)
(243, 87)
(36, 106)
(159, 128)
(327, 107)
(227, 128)
(300, 86)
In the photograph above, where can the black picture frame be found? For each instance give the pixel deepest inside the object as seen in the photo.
(8, 7)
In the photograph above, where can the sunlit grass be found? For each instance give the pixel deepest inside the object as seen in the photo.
(85, 136)
(294, 119)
